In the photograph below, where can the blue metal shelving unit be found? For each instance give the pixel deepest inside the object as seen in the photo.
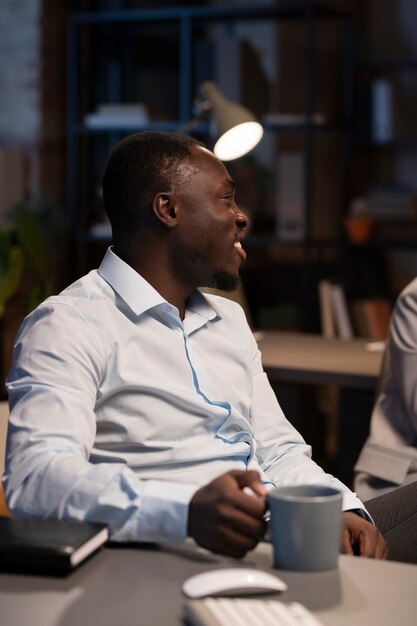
(187, 19)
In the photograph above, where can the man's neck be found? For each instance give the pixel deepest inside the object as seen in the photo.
(158, 274)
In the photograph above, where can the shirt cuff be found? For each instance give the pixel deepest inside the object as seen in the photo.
(162, 514)
(352, 503)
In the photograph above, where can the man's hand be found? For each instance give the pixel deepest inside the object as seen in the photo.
(225, 519)
(362, 538)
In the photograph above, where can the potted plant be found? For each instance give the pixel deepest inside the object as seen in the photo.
(25, 277)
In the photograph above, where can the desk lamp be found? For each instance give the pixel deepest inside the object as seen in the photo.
(237, 129)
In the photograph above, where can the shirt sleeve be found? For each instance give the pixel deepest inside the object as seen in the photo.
(403, 349)
(282, 453)
(57, 367)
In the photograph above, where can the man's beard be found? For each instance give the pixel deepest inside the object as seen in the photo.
(225, 281)
(221, 279)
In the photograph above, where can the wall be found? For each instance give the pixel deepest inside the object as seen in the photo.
(20, 100)
(20, 72)
(32, 140)
(32, 100)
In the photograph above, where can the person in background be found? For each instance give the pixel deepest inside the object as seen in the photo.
(389, 456)
(138, 401)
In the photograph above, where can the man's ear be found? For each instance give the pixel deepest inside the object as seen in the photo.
(165, 209)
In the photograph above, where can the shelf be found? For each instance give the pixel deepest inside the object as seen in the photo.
(398, 142)
(409, 242)
(262, 239)
(103, 235)
(204, 13)
(102, 232)
(302, 127)
(201, 128)
(389, 65)
(83, 129)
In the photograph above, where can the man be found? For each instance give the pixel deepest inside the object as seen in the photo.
(389, 456)
(136, 400)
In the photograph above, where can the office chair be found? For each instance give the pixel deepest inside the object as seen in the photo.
(4, 416)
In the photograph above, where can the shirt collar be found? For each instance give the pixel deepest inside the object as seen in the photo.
(140, 296)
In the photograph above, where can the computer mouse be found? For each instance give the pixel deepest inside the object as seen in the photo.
(233, 581)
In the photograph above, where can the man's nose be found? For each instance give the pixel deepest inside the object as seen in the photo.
(242, 220)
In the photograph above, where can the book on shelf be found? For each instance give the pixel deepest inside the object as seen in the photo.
(342, 319)
(368, 317)
(359, 321)
(371, 318)
(335, 317)
(49, 546)
(328, 328)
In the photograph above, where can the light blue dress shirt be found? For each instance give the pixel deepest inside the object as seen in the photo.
(120, 411)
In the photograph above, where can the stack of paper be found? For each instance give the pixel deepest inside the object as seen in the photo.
(117, 115)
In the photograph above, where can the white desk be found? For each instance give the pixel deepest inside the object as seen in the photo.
(312, 359)
(142, 587)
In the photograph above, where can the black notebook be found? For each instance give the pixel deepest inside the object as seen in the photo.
(47, 545)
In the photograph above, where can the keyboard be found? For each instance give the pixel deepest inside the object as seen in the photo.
(248, 612)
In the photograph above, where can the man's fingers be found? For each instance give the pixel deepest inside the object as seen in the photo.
(381, 551)
(346, 546)
(225, 519)
(250, 497)
(234, 544)
(247, 524)
(362, 538)
(366, 544)
(251, 479)
(372, 545)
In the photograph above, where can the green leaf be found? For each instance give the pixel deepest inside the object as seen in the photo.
(30, 238)
(11, 271)
(38, 294)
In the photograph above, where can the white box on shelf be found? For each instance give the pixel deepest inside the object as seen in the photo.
(290, 225)
(382, 111)
(118, 115)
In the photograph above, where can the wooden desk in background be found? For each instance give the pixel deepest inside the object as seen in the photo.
(307, 359)
(312, 359)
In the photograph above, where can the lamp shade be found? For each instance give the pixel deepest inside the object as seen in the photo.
(237, 128)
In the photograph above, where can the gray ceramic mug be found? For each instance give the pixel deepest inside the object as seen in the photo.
(306, 526)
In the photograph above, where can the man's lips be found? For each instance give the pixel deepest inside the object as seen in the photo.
(240, 250)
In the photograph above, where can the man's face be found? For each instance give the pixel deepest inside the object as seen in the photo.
(210, 225)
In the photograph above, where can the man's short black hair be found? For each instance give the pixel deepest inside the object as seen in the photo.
(139, 167)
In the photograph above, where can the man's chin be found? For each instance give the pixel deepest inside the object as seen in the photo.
(225, 281)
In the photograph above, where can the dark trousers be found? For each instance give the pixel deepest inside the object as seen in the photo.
(395, 514)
